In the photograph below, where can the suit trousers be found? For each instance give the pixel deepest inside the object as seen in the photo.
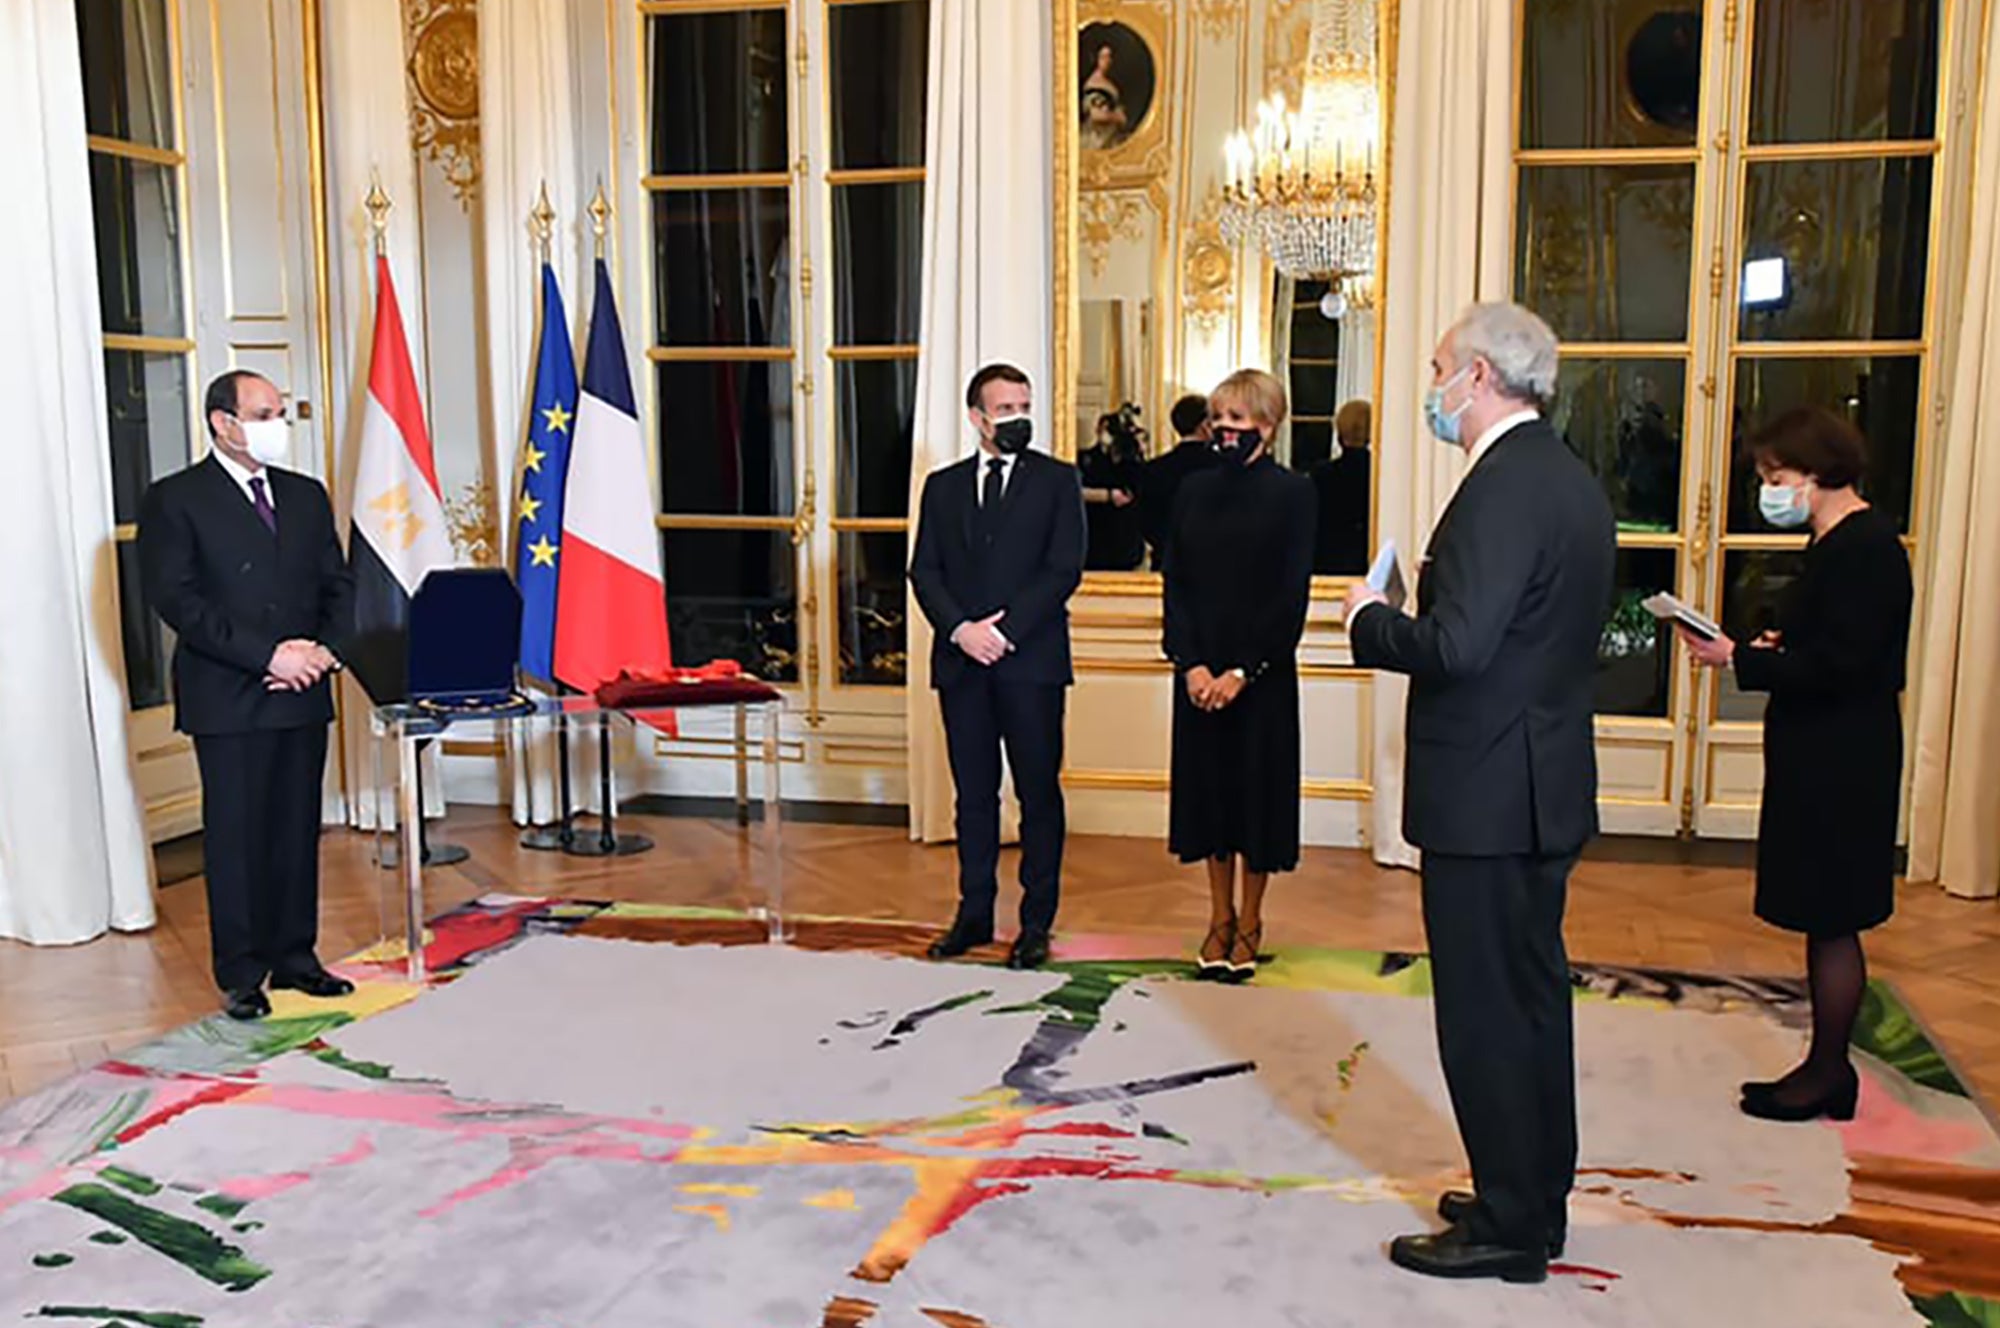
(980, 714)
(260, 811)
(1506, 1034)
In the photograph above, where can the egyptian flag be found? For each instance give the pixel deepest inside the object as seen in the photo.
(611, 607)
(399, 530)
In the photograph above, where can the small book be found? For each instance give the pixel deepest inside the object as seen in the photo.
(1385, 576)
(1667, 608)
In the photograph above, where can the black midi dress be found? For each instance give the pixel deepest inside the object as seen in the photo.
(1237, 581)
(1833, 733)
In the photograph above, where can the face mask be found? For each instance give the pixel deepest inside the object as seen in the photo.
(1784, 505)
(1238, 445)
(269, 441)
(1446, 426)
(1014, 435)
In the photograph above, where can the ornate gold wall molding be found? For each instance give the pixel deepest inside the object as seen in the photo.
(1104, 217)
(1208, 268)
(442, 41)
(1218, 18)
(474, 520)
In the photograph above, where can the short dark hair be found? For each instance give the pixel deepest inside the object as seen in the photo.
(1189, 414)
(1815, 441)
(993, 373)
(222, 396)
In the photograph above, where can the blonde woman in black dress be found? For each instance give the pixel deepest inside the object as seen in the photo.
(1237, 580)
(1833, 738)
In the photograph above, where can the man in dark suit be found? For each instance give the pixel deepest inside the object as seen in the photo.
(242, 560)
(1000, 544)
(1500, 790)
(1161, 480)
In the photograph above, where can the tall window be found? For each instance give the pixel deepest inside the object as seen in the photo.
(137, 176)
(763, 211)
(1725, 211)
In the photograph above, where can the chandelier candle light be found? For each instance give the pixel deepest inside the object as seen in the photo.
(1301, 185)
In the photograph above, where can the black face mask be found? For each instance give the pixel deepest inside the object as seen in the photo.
(1238, 445)
(1014, 435)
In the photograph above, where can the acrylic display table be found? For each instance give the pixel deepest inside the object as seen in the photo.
(400, 732)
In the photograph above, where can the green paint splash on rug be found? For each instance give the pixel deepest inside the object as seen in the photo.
(222, 1205)
(1089, 985)
(107, 1238)
(129, 1180)
(136, 1318)
(57, 1260)
(189, 1244)
(1888, 1031)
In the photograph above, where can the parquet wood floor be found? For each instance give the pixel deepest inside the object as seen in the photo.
(64, 1009)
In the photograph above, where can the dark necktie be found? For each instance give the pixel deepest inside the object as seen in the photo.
(989, 498)
(262, 502)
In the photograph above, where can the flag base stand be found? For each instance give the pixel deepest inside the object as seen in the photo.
(607, 844)
(557, 838)
(548, 838)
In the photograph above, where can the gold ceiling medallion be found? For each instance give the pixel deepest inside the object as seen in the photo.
(442, 37)
(1218, 18)
(1104, 217)
(1208, 276)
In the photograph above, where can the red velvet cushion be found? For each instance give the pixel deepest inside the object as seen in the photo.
(639, 693)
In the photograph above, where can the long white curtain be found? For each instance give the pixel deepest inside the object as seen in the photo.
(368, 139)
(987, 272)
(73, 853)
(1449, 189)
(1955, 804)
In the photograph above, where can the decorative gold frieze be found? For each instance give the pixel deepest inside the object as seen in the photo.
(1218, 18)
(1104, 217)
(1208, 269)
(442, 38)
(474, 521)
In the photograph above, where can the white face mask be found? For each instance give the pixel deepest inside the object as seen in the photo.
(268, 441)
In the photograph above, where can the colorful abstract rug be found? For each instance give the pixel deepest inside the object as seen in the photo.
(599, 1116)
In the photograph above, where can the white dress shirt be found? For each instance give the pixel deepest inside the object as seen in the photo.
(1496, 431)
(243, 475)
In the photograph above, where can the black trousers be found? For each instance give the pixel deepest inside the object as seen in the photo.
(1506, 1034)
(980, 714)
(260, 802)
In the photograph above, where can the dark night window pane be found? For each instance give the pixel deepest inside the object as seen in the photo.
(1610, 74)
(1842, 71)
(1854, 240)
(128, 73)
(719, 87)
(722, 267)
(148, 399)
(874, 401)
(1605, 252)
(148, 643)
(880, 56)
(872, 607)
(1634, 656)
(731, 595)
(136, 208)
(1623, 417)
(1754, 580)
(726, 438)
(878, 262)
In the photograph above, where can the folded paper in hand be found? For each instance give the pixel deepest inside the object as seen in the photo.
(1667, 608)
(1385, 577)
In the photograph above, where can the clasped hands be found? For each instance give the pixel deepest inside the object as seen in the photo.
(982, 640)
(1212, 691)
(298, 664)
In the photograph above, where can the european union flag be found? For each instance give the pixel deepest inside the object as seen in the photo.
(544, 471)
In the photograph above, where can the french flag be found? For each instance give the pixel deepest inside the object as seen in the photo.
(611, 607)
(399, 531)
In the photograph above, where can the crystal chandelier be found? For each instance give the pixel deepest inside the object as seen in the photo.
(1301, 185)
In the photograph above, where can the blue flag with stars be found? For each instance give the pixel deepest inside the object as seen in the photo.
(544, 470)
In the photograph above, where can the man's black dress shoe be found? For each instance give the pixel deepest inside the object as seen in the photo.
(318, 982)
(962, 937)
(1031, 950)
(1456, 1206)
(247, 1004)
(1455, 1253)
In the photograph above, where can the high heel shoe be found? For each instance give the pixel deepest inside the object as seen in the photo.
(1242, 970)
(1838, 1103)
(1218, 967)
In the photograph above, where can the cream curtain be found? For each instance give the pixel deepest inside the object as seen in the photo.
(987, 273)
(1449, 191)
(73, 852)
(1955, 804)
(368, 138)
(528, 140)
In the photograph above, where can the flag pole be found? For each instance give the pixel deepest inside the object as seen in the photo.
(428, 854)
(608, 843)
(541, 227)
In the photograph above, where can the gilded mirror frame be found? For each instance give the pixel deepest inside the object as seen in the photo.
(1064, 360)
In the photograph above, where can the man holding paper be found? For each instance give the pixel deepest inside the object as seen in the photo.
(1500, 789)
